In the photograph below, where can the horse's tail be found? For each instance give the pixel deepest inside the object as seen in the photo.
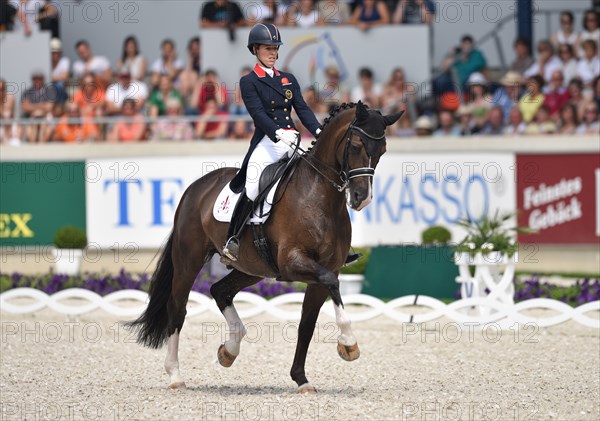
(151, 326)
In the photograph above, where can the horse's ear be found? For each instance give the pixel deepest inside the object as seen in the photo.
(361, 111)
(392, 118)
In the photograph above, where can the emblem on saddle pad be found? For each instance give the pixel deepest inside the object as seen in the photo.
(225, 205)
(288, 94)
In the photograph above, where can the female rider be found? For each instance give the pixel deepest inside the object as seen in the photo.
(269, 95)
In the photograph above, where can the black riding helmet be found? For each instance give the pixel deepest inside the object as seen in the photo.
(263, 33)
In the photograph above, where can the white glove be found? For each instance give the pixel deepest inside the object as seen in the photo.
(289, 137)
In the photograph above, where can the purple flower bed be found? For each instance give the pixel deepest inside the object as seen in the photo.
(583, 291)
(103, 284)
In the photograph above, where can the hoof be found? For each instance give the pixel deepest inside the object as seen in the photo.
(225, 358)
(348, 352)
(307, 389)
(177, 386)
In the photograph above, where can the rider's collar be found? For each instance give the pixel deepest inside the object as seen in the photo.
(262, 71)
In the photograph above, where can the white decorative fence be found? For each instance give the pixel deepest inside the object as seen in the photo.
(374, 307)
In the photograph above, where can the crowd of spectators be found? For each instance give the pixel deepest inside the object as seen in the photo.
(555, 92)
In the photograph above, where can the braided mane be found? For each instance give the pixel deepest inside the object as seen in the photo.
(334, 112)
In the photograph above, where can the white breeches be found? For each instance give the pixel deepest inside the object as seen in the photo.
(265, 153)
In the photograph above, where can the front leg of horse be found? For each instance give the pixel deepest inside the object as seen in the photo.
(327, 284)
(347, 344)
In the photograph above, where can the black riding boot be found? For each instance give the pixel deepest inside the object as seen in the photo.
(241, 214)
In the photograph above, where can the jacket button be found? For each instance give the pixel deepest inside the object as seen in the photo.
(289, 126)
(272, 109)
(274, 118)
(286, 100)
(287, 118)
(285, 109)
(273, 102)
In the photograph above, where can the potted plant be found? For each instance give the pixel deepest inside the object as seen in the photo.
(352, 277)
(69, 243)
(488, 246)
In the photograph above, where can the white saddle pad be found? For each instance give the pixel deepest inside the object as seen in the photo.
(225, 204)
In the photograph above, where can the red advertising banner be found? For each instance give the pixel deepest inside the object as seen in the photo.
(559, 196)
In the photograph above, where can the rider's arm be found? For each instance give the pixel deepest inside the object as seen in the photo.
(307, 117)
(256, 109)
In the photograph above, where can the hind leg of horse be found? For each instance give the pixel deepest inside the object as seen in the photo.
(313, 301)
(223, 293)
(186, 267)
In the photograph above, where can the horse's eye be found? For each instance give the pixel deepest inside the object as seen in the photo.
(355, 147)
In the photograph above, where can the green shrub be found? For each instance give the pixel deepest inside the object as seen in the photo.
(359, 267)
(436, 235)
(70, 237)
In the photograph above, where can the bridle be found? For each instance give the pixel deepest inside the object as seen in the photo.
(346, 174)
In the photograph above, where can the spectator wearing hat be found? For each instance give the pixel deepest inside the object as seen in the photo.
(124, 89)
(479, 102)
(172, 127)
(556, 94)
(516, 125)
(523, 59)
(73, 128)
(98, 66)
(447, 126)
(465, 60)
(546, 62)
(368, 91)
(495, 123)
(588, 66)
(159, 97)
(533, 99)
(131, 127)
(424, 126)
(334, 91)
(507, 96)
(60, 69)
(37, 103)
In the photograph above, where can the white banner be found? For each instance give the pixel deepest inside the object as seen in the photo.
(307, 52)
(133, 201)
(414, 191)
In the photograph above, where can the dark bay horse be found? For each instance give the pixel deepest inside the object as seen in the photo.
(312, 249)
